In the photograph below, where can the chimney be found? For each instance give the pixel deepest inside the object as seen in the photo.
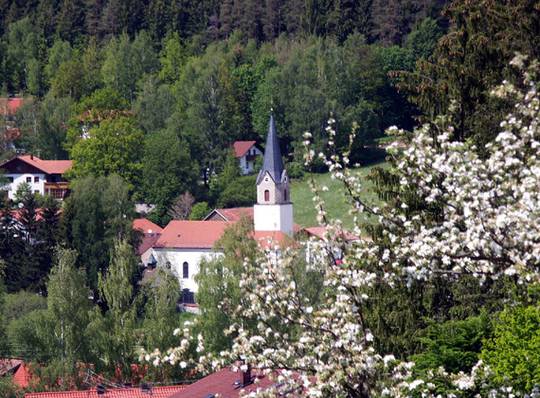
(246, 376)
(32, 156)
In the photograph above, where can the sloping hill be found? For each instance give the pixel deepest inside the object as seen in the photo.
(336, 206)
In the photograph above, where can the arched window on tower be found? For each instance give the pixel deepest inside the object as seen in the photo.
(185, 270)
(266, 195)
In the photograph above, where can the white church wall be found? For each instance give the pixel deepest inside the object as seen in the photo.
(176, 259)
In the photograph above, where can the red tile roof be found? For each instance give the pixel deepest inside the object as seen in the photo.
(270, 239)
(22, 376)
(146, 226)
(319, 232)
(241, 147)
(223, 383)
(47, 166)
(191, 234)
(134, 392)
(233, 214)
(8, 106)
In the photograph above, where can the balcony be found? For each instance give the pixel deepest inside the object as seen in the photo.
(57, 190)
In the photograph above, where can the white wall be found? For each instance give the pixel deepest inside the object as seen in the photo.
(249, 167)
(274, 218)
(21, 178)
(177, 257)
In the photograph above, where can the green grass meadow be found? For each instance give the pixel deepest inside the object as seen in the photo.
(336, 205)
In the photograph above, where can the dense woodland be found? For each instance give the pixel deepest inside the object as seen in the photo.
(146, 97)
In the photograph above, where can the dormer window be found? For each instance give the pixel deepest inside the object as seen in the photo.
(266, 195)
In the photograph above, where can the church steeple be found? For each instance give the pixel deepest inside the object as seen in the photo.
(273, 211)
(272, 163)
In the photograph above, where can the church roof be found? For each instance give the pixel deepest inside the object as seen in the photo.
(180, 234)
(272, 163)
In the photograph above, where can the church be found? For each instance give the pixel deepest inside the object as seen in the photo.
(181, 245)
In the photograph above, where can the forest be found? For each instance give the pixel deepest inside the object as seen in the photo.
(147, 97)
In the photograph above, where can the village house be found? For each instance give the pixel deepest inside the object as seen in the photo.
(45, 177)
(246, 152)
(150, 233)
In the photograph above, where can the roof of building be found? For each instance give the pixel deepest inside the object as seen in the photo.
(232, 214)
(132, 392)
(226, 383)
(191, 234)
(146, 226)
(241, 147)
(271, 239)
(320, 233)
(10, 105)
(272, 163)
(22, 376)
(47, 166)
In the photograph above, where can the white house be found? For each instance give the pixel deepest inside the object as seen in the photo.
(246, 152)
(43, 176)
(181, 247)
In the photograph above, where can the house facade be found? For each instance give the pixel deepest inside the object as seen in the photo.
(45, 177)
(181, 247)
(246, 152)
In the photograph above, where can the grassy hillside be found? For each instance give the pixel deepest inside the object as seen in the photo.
(336, 206)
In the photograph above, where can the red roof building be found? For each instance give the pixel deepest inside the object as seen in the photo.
(133, 392)
(146, 226)
(320, 232)
(150, 234)
(9, 106)
(179, 234)
(224, 384)
(232, 215)
(43, 176)
(246, 152)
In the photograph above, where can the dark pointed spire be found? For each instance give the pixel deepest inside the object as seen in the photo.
(273, 164)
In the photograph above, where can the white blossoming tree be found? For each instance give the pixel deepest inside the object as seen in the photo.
(488, 226)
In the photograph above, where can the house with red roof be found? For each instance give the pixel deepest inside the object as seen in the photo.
(226, 383)
(143, 391)
(233, 214)
(182, 245)
(10, 105)
(246, 152)
(150, 233)
(45, 177)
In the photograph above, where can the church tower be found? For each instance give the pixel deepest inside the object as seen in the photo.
(274, 210)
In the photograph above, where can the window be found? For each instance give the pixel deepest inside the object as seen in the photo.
(185, 270)
(266, 195)
(36, 179)
(285, 193)
(28, 179)
(36, 191)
